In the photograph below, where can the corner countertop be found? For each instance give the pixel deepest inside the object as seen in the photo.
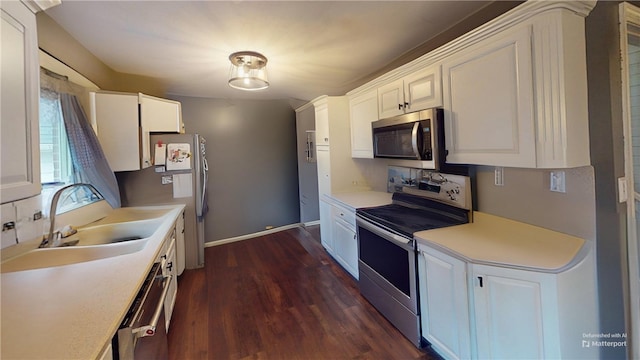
(361, 199)
(497, 241)
(73, 311)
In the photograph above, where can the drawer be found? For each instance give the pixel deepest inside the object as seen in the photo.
(349, 216)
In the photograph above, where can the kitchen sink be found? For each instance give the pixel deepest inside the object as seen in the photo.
(114, 233)
(89, 243)
(50, 257)
(126, 214)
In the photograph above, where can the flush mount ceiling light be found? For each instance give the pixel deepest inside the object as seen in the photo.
(248, 71)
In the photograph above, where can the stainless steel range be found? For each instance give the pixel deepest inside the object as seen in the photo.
(387, 251)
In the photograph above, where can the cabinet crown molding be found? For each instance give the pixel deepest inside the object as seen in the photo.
(515, 16)
(41, 5)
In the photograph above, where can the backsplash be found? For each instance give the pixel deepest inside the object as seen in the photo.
(525, 197)
(26, 215)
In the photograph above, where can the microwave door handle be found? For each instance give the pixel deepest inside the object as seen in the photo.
(414, 139)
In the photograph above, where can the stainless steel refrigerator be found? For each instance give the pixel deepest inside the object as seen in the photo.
(178, 176)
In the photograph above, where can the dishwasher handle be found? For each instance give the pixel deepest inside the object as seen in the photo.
(150, 330)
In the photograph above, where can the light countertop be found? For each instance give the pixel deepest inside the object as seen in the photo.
(494, 240)
(73, 311)
(362, 199)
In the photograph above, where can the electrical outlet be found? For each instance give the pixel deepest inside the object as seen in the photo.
(557, 182)
(499, 176)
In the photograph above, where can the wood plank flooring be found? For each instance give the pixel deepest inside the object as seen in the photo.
(278, 296)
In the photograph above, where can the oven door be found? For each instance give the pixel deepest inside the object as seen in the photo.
(388, 277)
(389, 260)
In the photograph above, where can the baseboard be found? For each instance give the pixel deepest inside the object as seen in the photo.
(311, 223)
(251, 236)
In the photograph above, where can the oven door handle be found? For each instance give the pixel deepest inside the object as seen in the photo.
(399, 240)
(150, 330)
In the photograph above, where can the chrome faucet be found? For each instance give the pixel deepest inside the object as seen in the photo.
(51, 235)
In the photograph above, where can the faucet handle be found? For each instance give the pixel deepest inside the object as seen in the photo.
(67, 231)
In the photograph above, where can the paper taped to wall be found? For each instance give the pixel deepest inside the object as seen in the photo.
(182, 185)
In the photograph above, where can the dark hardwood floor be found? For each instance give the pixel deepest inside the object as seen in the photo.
(278, 296)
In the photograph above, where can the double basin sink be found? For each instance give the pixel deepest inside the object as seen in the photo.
(124, 231)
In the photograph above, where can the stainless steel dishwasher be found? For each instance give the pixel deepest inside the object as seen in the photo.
(142, 334)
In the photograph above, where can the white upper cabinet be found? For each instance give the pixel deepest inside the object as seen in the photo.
(517, 97)
(322, 124)
(514, 90)
(423, 89)
(124, 121)
(488, 101)
(364, 110)
(417, 91)
(561, 99)
(160, 115)
(114, 117)
(20, 170)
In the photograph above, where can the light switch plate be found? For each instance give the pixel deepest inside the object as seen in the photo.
(557, 182)
(499, 176)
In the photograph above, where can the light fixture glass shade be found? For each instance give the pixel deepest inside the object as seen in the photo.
(248, 71)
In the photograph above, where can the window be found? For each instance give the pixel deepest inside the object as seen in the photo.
(56, 168)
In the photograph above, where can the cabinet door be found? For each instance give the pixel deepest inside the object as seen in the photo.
(172, 270)
(160, 115)
(20, 169)
(180, 258)
(511, 308)
(364, 110)
(322, 124)
(115, 118)
(444, 303)
(345, 241)
(488, 101)
(323, 157)
(391, 99)
(423, 89)
(326, 233)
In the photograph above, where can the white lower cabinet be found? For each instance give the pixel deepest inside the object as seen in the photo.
(338, 234)
(171, 269)
(326, 236)
(444, 303)
(479, 311)
(516, 315)
(345, 239)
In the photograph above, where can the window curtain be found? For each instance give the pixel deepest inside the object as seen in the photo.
(89, 162)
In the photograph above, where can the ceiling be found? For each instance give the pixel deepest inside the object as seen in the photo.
(313, 47)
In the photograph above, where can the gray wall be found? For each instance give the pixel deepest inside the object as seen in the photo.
(607, 158)
(251, 150)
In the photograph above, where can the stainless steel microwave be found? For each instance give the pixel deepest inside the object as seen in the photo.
(414, 136)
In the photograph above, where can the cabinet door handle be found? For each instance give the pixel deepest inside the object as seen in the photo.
(406, 105)
(399, 106)
(480, 281)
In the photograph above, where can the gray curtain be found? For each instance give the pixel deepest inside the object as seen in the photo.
(89, 161)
